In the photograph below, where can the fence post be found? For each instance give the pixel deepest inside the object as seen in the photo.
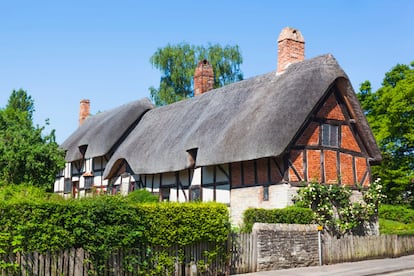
(320, 228)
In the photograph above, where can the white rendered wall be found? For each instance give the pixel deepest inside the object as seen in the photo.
(280, 196)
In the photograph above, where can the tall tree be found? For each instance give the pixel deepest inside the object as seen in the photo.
(26, 155)
(390, 112)
(21, 101)
(178, 62)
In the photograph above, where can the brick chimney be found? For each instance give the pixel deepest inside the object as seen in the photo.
(203, 78)
(84, 110)
(291, 48)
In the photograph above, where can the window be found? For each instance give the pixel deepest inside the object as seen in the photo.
(60, 173)
(265, 193)
(67, 189)
(330, 136)
(165, 194)
(195, 193)
(88, 182)
(77, 168)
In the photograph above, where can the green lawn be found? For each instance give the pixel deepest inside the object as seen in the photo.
(395, 227)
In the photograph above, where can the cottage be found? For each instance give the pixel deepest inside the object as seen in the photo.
(248, 144)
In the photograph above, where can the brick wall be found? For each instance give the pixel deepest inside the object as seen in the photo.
(331, 110)
(329, 162)
(348, 140)
(281, 246)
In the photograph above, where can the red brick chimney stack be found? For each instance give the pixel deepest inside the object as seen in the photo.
(291, 48)
(84, 110)
(203, 78)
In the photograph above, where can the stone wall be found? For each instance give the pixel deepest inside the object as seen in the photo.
(281, 246)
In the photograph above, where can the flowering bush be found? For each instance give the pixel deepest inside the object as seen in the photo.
(333, 207)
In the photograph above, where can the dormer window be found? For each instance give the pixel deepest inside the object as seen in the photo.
(330, 135)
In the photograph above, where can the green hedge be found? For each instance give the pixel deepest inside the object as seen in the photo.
(397, 213)
(105, 224)
(392, 227)
(289, 215)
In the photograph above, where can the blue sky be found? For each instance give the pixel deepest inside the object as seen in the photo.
(65, 51)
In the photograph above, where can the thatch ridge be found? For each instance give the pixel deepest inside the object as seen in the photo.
(102, 131)
(250, 119)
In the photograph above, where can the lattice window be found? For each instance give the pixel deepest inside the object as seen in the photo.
(330, 135)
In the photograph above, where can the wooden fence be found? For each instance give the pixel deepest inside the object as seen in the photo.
(76, 262)
(355, 248)
(242, 251)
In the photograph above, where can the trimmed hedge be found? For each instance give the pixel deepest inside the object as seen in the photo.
(105, 224)
(397, 213)
(289, 215)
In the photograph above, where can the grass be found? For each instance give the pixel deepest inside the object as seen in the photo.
(394, 227)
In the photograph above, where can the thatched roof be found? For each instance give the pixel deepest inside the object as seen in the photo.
(101, 132)
(247, 120)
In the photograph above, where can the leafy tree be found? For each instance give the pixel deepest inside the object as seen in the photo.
(26, 155)
(20, 100)
(390, 112)
(178, 62)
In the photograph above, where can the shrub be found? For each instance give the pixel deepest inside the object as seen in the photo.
(104, 224)
(334, 209)
(391, 227)
(397, 213)
(290, 215)
(141, 196)
(25, 192)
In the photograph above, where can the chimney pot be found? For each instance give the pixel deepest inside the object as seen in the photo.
(84, 110)
(203, 77)
(291, 48)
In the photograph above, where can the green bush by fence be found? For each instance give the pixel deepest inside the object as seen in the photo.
(290, 215)
(397, 213)
(105, 224)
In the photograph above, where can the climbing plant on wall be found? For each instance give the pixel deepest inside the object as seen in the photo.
(335, 210)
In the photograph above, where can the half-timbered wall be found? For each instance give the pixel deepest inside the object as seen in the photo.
(265, 171)
(211, 183)
(258, 184)
(82, 178)
(329, 149)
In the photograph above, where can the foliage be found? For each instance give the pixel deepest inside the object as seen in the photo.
(289, 215)
(13, 193)
(398, 213)
(102, 225)
(390, 113)
(334, 209)
(141, 196)
(21, 101)
(177, 64)
(391, 227)
(26, 155)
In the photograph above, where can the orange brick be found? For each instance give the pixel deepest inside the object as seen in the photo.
(361, 168)
(330, 163)
(310, 136)
(348, 140)
(296, 157)
(314, 165)
(347, 171)
(274, 171)
(331, 110)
